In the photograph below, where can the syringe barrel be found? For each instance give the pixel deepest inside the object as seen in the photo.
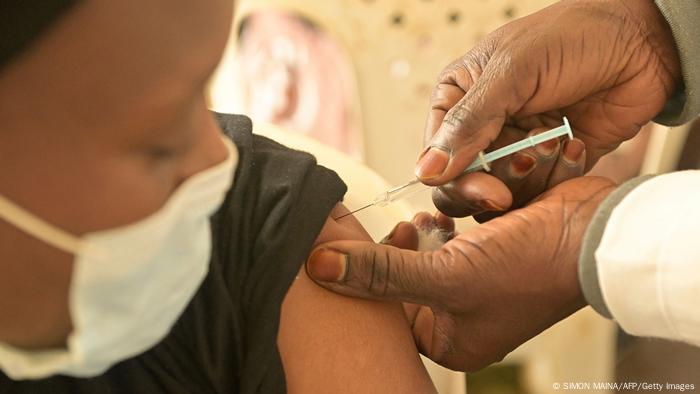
(525, 143)
(415, 185)
(399, 192)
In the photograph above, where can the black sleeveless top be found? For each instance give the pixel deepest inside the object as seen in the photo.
(225, 341)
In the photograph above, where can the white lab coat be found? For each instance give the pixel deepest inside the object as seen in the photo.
(648, 260)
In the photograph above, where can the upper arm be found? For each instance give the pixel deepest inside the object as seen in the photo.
(332, 343)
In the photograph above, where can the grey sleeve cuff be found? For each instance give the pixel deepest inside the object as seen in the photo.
(587, 268)
(683, 16)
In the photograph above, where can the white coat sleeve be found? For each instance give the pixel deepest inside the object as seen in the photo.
(644, 269)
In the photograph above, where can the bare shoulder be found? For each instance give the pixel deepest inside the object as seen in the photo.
(332, 343)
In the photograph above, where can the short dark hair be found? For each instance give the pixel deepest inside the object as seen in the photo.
(23, 21)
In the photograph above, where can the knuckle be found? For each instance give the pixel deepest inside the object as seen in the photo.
(455, 299)
(443, 96)
(455, 118)
(449, 73)
(376, 275)
(442, 282)
(452, 264)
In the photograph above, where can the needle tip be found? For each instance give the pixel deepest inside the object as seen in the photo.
(350, 213)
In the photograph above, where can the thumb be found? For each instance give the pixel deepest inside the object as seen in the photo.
(468, 128)
(369, 270)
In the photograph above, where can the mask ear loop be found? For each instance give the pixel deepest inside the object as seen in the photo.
(38, 228)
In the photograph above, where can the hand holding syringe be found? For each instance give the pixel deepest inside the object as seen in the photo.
(482, 162)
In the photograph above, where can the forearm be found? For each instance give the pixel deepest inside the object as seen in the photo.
(640, 261)
(683, 16)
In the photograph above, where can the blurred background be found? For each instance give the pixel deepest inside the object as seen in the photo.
(350, 80)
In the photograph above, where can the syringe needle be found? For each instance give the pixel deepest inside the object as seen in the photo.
(355, 211)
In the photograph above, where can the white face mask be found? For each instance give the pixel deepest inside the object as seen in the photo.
(129, 284)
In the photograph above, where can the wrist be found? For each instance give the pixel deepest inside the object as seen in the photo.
(653, 33)
(581, 205)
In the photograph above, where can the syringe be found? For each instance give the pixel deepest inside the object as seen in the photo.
(482, 162)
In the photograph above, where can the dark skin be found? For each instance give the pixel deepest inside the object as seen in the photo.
(607, 65)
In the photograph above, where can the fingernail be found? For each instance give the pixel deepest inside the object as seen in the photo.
(432, 164)
(573, 150)
(327, 265)
(387, 239)
(522, 164)
(547, 148)
(489, 205)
